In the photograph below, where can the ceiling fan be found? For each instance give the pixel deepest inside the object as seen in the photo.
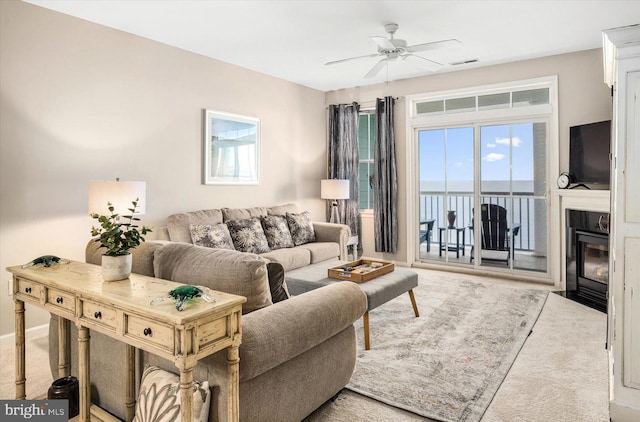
(390, 49)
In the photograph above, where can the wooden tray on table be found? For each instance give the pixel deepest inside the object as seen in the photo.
(363, 270)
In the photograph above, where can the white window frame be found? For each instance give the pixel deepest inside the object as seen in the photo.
(367, 161)
(547, 111)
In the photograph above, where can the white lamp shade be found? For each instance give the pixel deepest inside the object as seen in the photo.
(119, 194)
(334, 189)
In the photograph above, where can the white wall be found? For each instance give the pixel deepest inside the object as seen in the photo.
(82, 102)
(583, 98)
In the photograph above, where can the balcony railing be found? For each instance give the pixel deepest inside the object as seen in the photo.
(434, 206)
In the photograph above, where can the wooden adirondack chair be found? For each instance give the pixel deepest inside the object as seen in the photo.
(426, 228)
(495, 234)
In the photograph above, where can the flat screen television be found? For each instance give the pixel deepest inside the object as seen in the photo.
(589, 149)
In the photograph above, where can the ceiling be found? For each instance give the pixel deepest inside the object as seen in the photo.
(293, 40)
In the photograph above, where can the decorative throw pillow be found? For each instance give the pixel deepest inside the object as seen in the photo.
(277, 231)
(248, 236)
(301, 228)
(277, 283)
(159, 398)
(212, 236)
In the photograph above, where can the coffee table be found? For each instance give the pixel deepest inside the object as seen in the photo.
(379, 291)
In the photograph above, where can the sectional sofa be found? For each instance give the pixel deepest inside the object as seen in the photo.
(296, 353)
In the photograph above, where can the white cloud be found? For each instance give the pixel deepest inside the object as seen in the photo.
(491, 145)
(506, 141)
(457, 164)
(493, 157)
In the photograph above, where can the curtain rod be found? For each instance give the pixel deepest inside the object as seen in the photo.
(365, 102)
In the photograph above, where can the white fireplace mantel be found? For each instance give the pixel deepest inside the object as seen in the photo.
(585, 199)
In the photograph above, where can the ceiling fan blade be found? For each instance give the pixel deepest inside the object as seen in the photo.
(376, 68)
(433, 62)
(433, 45)
(368, 56)
(383, 42)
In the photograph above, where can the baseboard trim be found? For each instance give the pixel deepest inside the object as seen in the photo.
(31, 333)
(618, 412)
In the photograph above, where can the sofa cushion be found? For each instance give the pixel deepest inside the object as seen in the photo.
(322, 251)
(234, 272)
(290, 258)
(301, 227)
(248, 236)
(282, 209)
(211, 236)
(277, 231)
(242, 213)
(159, 397)
(178, 224)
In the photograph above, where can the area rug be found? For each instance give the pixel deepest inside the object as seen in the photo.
(448, 363)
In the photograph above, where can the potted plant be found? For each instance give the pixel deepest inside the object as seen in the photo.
(118, 235)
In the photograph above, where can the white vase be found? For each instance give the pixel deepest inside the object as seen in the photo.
(116, 267)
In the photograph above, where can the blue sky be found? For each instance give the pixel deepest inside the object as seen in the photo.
(498, 148)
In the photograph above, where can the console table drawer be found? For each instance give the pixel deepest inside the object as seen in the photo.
(29, 290)
(99, 314)
(212, 332)
(61, 300)
(150, 331)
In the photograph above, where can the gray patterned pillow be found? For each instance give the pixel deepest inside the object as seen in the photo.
(277, 231)
(248, 236)
(159, 398)
(212, 236)
(301, 228)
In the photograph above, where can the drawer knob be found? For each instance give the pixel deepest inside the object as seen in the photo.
(28, 290)
(147, 331)
(97, 315)
(59, 299)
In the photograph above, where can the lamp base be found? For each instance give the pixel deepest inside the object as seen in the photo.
(335, 218)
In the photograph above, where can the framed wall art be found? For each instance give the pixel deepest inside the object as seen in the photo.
(231, 149)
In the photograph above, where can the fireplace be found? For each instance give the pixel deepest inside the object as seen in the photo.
(587, 257)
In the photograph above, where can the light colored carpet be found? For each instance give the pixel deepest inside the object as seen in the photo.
(37, 369)
(448, 363)
(560, 374)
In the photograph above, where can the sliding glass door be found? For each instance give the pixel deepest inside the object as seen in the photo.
(446, 169)
(513, 214)
(502, 168)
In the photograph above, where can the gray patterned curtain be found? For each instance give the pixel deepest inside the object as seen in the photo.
(343, 158)
(385, 183)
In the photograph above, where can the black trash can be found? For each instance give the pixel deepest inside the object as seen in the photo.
(66, 388)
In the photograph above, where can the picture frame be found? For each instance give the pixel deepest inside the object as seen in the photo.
(231, 149)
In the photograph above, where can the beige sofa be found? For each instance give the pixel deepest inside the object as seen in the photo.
(295, 354)
(330, 239)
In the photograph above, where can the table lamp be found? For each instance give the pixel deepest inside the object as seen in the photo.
(119, 194)
(334, 189)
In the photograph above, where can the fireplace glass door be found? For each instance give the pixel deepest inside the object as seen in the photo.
(592, 264)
